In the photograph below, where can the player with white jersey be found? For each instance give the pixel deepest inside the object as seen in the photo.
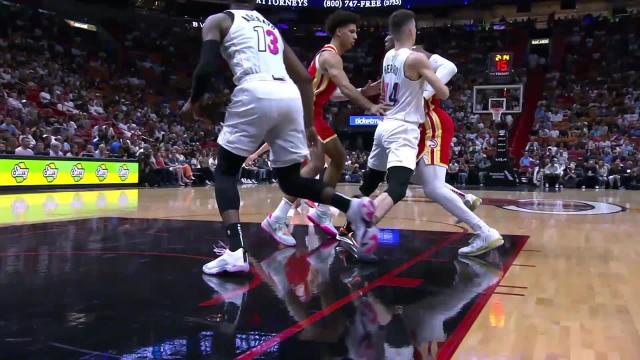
(273, 96)
(434, 150)
(404, 74)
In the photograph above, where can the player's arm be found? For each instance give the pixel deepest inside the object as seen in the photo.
(445, 70)
(333, 66)
(420, 64)
(302, 79)
(263, 149)
(211, 60)
(371, 89)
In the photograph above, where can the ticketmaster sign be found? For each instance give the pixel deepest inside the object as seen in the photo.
(364, 120)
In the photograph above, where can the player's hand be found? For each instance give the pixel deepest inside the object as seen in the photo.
(380, 109)
(250, 159)
(371, 89)
(312, 137)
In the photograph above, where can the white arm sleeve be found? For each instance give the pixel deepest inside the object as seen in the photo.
(444, 69)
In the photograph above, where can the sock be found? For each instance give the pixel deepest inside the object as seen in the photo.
(234, 235)
(341, 202)
(282, 211)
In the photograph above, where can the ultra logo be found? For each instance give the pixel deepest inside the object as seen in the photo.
(123, 172)
(20, 172)
(77, 172)
(102, 172)
(50, 172)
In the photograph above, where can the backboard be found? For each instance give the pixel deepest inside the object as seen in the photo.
(508, 97)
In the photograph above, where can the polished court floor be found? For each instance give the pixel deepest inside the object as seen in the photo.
(116, 274)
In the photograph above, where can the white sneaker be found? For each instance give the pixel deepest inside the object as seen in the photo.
(322, 219)
(228, 261)
(278, 230)
(482, 242)
(472, 202)
(366, 236)
(274, 266)
(230, 291)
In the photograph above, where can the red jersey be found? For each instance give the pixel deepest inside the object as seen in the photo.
(323, 88)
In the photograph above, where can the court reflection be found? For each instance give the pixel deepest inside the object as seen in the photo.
(133, 288)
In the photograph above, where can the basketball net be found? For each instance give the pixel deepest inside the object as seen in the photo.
(496, 112)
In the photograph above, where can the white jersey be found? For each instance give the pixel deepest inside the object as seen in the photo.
(404, 94)
(253, 46)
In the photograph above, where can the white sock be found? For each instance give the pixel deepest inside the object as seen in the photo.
(282, 211)
(432, 179)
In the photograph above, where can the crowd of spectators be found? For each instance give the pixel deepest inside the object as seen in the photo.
(586, 131)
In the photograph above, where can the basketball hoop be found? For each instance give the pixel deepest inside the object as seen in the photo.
(496, 112)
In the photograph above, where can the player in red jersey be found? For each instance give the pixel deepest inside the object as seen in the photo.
(330, 83)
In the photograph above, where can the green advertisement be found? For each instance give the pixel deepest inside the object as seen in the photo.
(17, 171)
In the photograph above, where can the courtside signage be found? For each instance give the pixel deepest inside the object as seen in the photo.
(364, 120)
(32, 172)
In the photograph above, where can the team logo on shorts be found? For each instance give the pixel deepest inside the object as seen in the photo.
(77, 172)
(432, 143)
(563, 207)
(50, 172)
(102, 172)
(20, 172)
(123, 172)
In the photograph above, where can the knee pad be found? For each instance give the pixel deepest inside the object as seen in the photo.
(398, 178)
(371, 179)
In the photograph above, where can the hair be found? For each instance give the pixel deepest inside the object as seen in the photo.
(339, 19)
(399, 20)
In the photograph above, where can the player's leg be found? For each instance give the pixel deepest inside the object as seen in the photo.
(241, 135)
(401, 141)
(436, 134)
(289, 149)
(432, 179)
(333, 149)
(276, 223)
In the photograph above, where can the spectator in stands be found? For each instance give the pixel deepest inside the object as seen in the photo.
(590, 175)
(603, 173)
(3, 148)
(552, 173)
(264, 168)
(102, 152)
(569, 178)
(88, 152)
(615, 175)
(56, 149)
(24, 149)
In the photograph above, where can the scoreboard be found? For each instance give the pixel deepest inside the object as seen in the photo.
(354, 4)
(500, 64)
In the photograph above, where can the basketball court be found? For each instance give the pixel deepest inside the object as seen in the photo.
(117, 274)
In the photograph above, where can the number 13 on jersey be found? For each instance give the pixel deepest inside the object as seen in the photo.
(391, 97)
(265, 44)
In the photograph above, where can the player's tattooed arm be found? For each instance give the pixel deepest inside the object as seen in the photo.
(421, 67)
(332, 64)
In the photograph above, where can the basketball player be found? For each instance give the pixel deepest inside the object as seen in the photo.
(273, 95)
(329, 82)
(404, 73)
(434, 151)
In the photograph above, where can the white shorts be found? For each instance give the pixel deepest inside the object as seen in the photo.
(269, 111)
(395, 143)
